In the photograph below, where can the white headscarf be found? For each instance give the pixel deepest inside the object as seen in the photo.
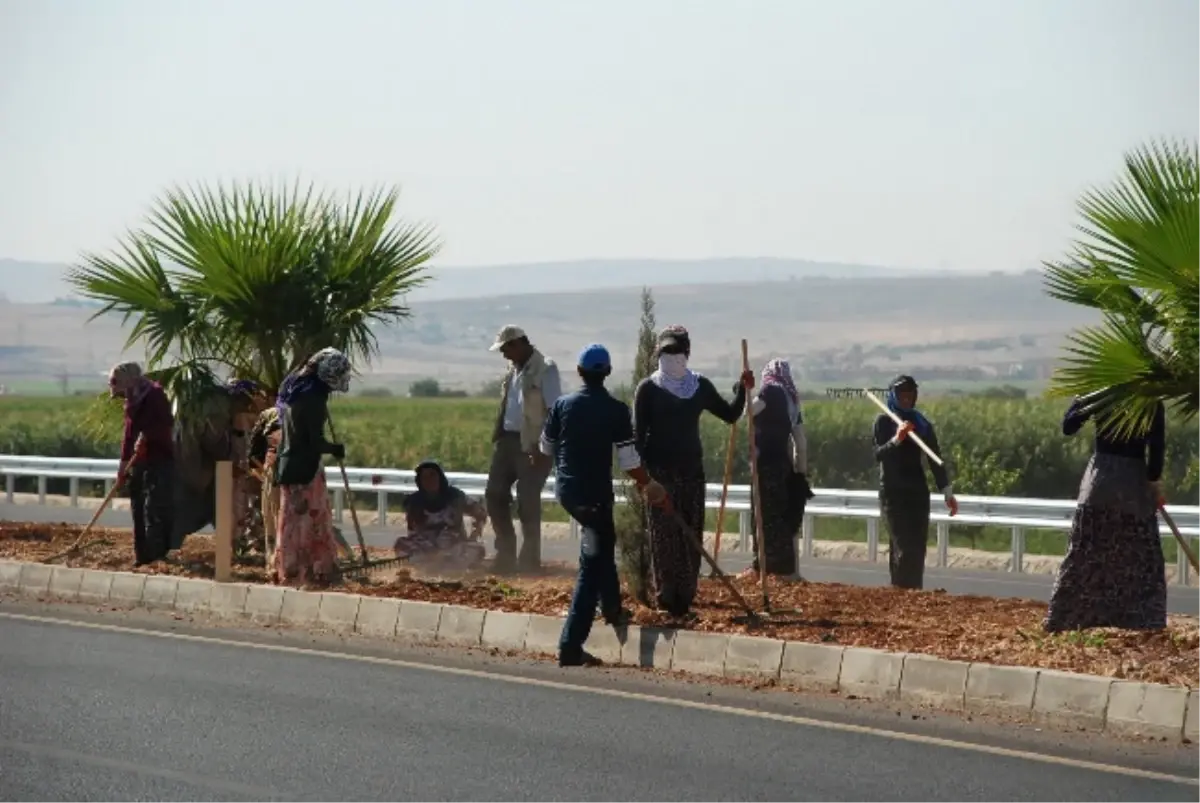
(674, 376)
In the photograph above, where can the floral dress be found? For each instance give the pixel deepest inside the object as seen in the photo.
(440, 536)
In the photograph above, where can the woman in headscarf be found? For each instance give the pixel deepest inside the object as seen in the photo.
(903, 490)
(435, 514)
(305, 541)
(667, 409)
(1113, 574)
(782, 451)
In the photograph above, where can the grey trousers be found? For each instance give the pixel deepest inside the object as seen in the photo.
(512, 466)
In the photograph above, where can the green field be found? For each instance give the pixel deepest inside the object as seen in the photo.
(994, 447)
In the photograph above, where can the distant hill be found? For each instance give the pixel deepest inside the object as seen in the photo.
(43, 282)
(607, 274)
(983, 328)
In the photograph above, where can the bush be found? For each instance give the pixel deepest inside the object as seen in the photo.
(993, 446)
(425, 389)
(376, 393)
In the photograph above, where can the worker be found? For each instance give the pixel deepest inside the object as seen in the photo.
(147, 464)
(580, 433)
(529, 390)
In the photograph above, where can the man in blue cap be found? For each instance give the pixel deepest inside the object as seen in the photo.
(580, 433)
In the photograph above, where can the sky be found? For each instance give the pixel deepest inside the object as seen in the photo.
(920, 134)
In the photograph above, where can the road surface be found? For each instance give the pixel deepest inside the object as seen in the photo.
(116, 707)
(1180, 599)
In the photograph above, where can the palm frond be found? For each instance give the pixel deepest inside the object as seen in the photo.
(1138, 263)
(249, 277)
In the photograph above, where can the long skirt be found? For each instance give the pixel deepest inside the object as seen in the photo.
(674, 561)
(270, 511)
(906, 517)
(779, 520)
(305, 546)
(1113, 574)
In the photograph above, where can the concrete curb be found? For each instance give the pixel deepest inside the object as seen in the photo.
(1120, 707)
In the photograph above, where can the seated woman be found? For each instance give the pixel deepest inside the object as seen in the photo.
(436, 530)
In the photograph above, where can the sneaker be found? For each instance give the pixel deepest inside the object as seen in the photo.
(582, 658)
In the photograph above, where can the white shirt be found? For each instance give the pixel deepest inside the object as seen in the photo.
(551, 390)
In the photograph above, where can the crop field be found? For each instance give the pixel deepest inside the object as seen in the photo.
(993, 447)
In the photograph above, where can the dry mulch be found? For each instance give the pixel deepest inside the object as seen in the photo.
(966, 628)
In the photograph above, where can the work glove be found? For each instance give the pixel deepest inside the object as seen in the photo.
(657, 496)
(338, 450)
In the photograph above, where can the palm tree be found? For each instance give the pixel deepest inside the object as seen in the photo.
(249, 280)
(1138, 263)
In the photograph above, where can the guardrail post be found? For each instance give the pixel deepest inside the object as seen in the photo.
(1182, 567)
(41, 490)
(1018, 548)
(943, 543)
(10, 485)
(744, 531)
(381, 508)
(339, 505)
(872, 539)
(807, 533)
(574, 529)
(108, 484)
(73, 484)
(223, 526)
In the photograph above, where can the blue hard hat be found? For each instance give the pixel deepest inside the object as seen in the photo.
(594, 358)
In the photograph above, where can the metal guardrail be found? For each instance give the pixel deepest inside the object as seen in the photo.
(1018, 514)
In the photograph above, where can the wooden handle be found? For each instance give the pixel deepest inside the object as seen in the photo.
(756, 497)
(899, 422)
(1183, 544)
(362, 544)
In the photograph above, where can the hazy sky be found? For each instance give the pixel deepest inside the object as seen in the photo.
(950, 134)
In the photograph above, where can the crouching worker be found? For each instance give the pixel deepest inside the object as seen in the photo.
(580, 433)
(437, 532)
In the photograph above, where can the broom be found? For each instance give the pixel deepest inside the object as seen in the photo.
(362, 544)
(108, 497)
(756, 498)
(1183, 544)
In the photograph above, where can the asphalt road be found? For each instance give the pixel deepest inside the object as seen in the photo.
(94, 714)
(1181, 600)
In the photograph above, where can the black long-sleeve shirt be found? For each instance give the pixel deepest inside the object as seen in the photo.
(1075, 418)
(900, 467)
(773, 427)
(666, 428)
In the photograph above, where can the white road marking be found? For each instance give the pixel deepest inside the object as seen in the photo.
(809, 722)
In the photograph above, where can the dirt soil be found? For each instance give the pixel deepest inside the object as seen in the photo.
(966, 628)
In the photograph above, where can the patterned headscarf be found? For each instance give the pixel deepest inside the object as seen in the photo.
(327, 370)
(241, 387)
(779, 373)
(333, 369)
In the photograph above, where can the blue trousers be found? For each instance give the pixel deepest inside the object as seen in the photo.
(597, 581)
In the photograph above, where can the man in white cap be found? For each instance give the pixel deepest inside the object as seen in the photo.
(529, 390)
